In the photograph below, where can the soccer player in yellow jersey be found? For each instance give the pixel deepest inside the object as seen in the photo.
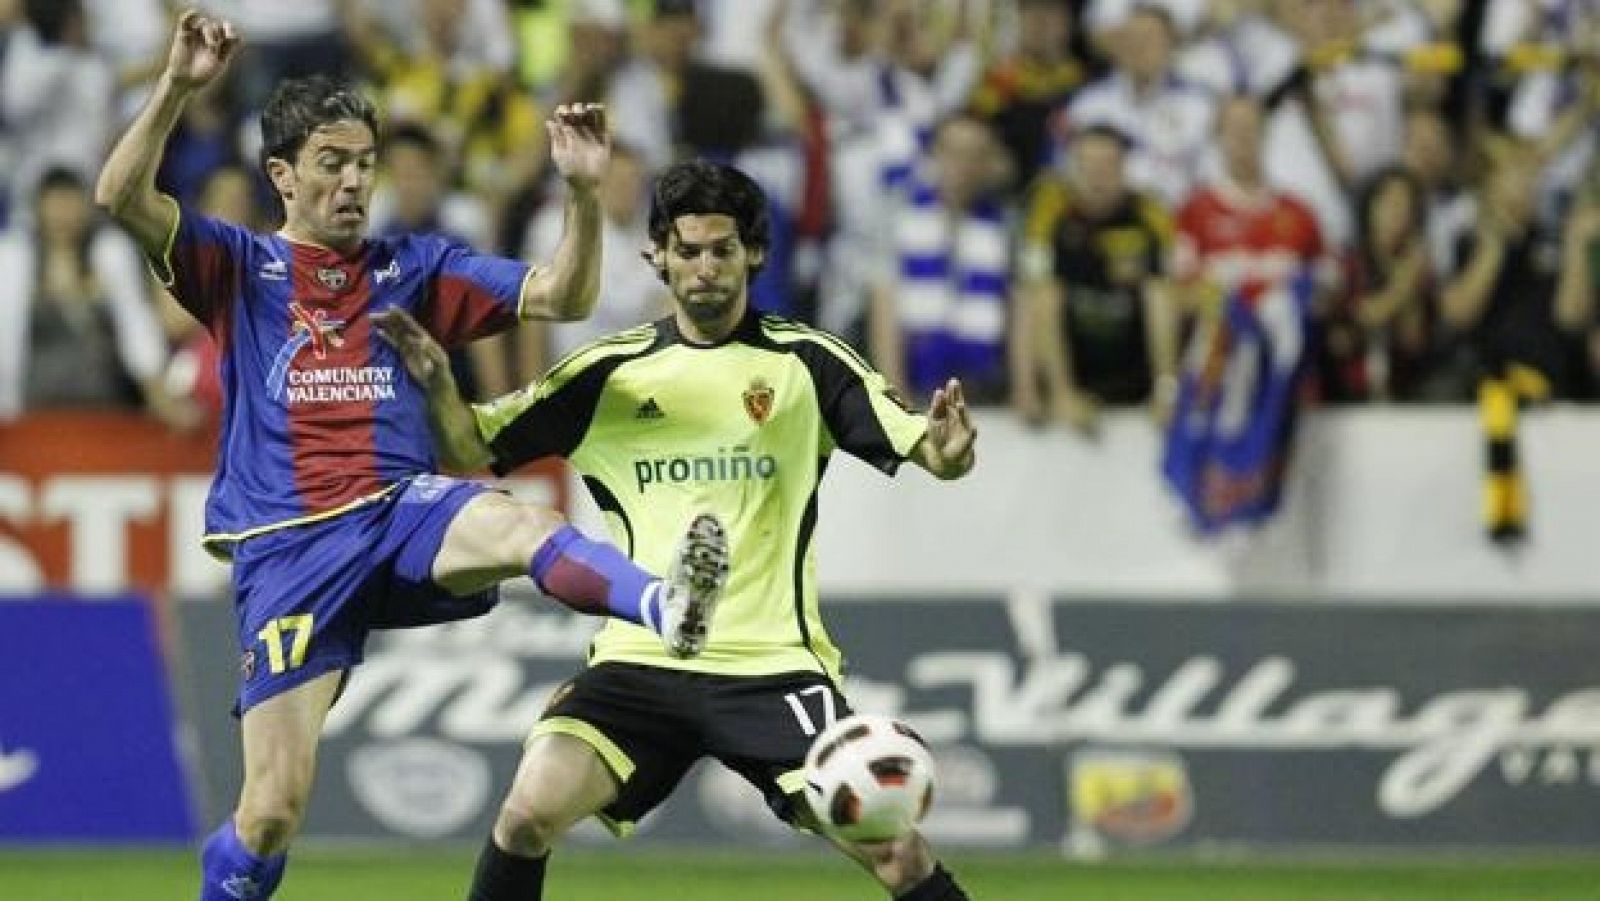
(715, 408)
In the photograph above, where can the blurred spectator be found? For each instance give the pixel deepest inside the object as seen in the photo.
(1105, 18)
(1167, 120)
(882, 83)
(207, 138)
(481, 35)
(1338, 119)
(131, 35)
(630, 291)
(11, 22)
(1436, 57)
(790, 162)
(1093, 323)
(940, 309)
(283, 40)
(1394, 28)
(1501, 304)
(734, 36)
(78, 327)
(55, 97)
(1237, 49)
(416, 197)
(1580, 276)
(1379, 344)
(1239, 233)
(667, 102)
(551, 36)
(1431, 154)
(1018, 94)
(491, 130)
(593, 48)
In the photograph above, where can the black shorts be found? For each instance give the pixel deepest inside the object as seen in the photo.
(650, 724)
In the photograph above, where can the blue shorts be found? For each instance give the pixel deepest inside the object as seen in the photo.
(305, 597)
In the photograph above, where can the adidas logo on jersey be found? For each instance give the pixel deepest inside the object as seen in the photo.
(649, 410)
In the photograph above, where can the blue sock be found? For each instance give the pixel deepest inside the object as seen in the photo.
(232, 873)
(594, 577)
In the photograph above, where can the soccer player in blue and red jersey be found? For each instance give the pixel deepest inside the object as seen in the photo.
(325, 496)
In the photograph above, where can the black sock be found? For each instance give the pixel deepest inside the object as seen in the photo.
(939, 886)
(502, 876)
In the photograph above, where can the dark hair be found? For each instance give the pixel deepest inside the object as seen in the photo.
(412, 134)
(65, 178)
(53, 19)
(300, 106)
(1104, 131)
(702, 188)
(1367, 198)
(59, 177)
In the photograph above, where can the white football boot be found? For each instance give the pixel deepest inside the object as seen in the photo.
(693, 585)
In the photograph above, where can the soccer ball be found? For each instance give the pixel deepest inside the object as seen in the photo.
(869, 778)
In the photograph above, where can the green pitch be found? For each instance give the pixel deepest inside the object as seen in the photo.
(434, 875)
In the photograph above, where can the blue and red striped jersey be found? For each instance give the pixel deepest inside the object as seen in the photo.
(319, 413)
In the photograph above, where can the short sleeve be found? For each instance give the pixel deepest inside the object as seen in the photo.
(472, 295)
(549, 418)
(201, 263)
(1162, 229)
(1186, 262)
(866, 417)
(538, 421)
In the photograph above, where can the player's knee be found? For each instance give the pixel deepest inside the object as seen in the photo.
(528, 830)
(525, 529)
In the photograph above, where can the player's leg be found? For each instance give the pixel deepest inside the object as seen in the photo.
(560, 781)
(302, 597)
(906, 867)
(614, 742)
(246, 856)
(761, 728)
(493, 538)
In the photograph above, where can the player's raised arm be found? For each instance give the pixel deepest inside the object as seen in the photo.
(455, 429)
(580, 147)
(201, 48)
(948, 450)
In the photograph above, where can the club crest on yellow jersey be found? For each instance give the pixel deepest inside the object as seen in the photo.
(758, 400)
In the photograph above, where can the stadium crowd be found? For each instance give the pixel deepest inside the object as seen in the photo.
(1057, 201)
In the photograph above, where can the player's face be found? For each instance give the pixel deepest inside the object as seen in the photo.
(964, 155)
(708, 268)
(330, 184)
(1239, 131)
(418, 184)
(1097, 171)
(64, 214)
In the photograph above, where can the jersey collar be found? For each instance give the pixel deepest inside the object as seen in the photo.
(747, 328)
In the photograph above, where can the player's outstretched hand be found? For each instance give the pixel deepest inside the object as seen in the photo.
(580, 144)
(950, 428)
(201, 48)
(423, 357)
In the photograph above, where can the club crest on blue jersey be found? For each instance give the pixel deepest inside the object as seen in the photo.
(333, 279)
(310, 328)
